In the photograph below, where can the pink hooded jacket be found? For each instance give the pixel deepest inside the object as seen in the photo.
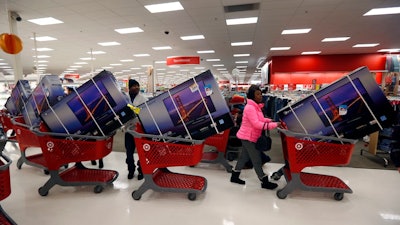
(253, 122)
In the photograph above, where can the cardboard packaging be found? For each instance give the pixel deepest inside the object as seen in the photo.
(47, 93)
(97, 107)
(194, 109)
(19, 95)
(351, 107)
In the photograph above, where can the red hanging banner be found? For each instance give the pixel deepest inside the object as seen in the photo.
(183, 60)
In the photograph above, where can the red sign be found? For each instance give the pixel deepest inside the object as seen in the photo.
(183, 60)
(73, 76)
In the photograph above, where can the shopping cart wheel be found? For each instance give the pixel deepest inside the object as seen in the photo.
(192, 196)
(276, 176)
(280, 194)
(43, 192)
(338, 196)
(135, 196)
(98, 189)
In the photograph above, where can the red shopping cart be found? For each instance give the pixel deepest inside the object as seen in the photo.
(27, 139)
(60, 149)
(304, 150)
(218, 153)
(5, 188)
(156, 153)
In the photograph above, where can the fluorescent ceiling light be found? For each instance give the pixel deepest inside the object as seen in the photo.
(218, 65)
(162, 48)
(241, 43)
(311, 53)
(241, 67)
(96, 52)
(141, 55)
(383, 11)
(205, 51)
(390, 50)
(76, 66)
(365, 45)
(42, 56)
(45, 21)
(238, 21)
(111, 43)
(164, 7)
(44, 38)
(199, 68)
(87, 58)
(296, 31)
(279, 48)
(129, 30)
(43, 49)
(241, 62)
(160, 62)
(115, 64)
(126, 60)
(213, 60)
(192, 37)
(241, 55)
(81, 63)
(335, 39)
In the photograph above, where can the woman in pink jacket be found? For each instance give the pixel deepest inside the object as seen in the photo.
(250, 130)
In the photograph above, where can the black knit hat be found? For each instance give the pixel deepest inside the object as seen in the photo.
(133, 82)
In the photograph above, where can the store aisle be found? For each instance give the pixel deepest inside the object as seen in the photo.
(375, 199)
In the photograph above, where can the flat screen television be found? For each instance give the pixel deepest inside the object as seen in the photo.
(195, 108)
(19, 95)
(47, 93)
(90, 108)
(351, 107)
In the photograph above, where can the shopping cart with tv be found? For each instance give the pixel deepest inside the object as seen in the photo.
(61, 149)
(217, 152)
(157, 153)
(5, 187)
(305, 150)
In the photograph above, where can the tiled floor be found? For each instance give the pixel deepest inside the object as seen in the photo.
(375, 199)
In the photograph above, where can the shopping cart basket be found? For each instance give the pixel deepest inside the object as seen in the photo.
(27, 139)
(217, 155)
(304, 150)
(6, 126)
(5, 188)
(156, 153)
(60, 149)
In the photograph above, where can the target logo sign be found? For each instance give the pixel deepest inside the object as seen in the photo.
(298, 146)
(146, 147)
(50, 146)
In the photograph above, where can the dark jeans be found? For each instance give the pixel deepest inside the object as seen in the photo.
(130, 150)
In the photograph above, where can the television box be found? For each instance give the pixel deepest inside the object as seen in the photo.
(97, 107)
(19, 95)
(197, 104)
(47, 93)
(351, 107)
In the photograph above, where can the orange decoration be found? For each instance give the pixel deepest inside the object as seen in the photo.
(10, 43)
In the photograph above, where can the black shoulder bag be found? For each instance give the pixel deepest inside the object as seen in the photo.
(264, 141)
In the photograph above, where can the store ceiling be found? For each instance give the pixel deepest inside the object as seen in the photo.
(88, 22)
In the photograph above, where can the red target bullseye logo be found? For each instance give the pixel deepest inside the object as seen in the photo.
(146, 147)
(50, 146)
(298, 146)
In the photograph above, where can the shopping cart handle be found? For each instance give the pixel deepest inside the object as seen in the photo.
(315, 136)
(77, 136)
(164, 138)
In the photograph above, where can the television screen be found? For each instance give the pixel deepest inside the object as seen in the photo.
(86, 111)
(343, 108)
(188, 109)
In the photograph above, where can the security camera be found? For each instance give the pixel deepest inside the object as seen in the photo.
(166, 32)
(16, 16)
